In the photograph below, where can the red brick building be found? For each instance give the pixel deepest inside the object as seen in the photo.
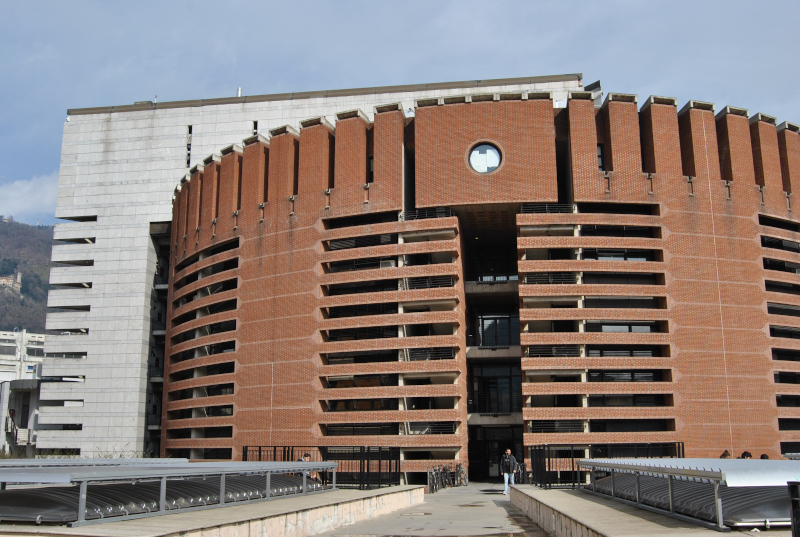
(490, 272)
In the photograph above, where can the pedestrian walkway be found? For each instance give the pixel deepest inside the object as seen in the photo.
(477, 509)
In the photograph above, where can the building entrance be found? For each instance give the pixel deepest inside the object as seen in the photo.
(487, 445)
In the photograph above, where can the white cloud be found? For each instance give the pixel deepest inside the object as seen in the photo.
(29, 200)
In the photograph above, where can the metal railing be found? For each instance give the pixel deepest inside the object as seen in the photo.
(553, 351)
(492, 279)
(436, 353)
(547, 208)
(361, 467)
(555, 465)
(420, 214)
(548, 278)
(366, 332)
(426, 282)
(363, 242)
(436, 427)
(556, 426)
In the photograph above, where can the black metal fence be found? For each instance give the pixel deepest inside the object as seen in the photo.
(554, 465)
(360, 467)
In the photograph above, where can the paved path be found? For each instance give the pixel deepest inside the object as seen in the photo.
(478, 509)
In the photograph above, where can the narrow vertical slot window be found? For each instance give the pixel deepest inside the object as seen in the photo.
(266, 175)
(189, 147)
(255, 128)
(371, 169)
(217, 174)
(601, 162)
(239, 186)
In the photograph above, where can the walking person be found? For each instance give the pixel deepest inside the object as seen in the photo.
(508, 465)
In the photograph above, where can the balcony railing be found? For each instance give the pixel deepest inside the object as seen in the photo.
(548, 278)
(556, 426)
(445, 427)
(427, 282)
(438, 353)
(552, 351)
(547, 208)
(370, 332)
(433, 212)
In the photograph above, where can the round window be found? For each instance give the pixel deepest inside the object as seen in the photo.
(484, 158)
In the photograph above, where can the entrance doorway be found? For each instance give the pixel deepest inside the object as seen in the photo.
(486, 447)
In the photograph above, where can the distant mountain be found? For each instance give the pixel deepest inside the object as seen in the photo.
(25, 249)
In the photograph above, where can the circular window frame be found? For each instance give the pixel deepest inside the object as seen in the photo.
(478, 143)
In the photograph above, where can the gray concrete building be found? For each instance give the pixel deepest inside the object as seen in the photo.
(119, 168)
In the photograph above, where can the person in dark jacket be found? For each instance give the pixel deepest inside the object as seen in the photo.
(508, 465)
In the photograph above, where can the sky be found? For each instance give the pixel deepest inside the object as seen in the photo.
(59, 55)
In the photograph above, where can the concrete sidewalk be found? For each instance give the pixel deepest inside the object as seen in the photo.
(478, 509)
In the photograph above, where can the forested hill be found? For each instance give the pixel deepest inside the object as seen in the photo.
(25, 249)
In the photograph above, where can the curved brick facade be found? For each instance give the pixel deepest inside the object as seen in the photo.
(627, 274)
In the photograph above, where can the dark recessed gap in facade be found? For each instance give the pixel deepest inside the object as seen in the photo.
(355, 405)
(360, 220)
(627, 326)
(790, 332)
(361, 429)
(359, 310)
(627, 400)
(361, 242)
(781, 265)
(629, 375)
(363, 332)
(788, 355)
(213, 289)
(778, 223)
(788, 424)
(625, 254)
(787, 377)
(620, 208)
(83, 218)
(495, 388)
(625, 302)
(207, 371)
(359, 357)
(216, 268)
(219, 307)
(782, 287)
(205, 350)
(368, 263)
(780, 244)
(216, 411)
(77, 240)
(625, 351)
(352, 288)
(200, 432)
(203, 331)
(787, 400)
(360, 381)
(645, 232)
(790, 447)
(783, 309)
(563, 171)
(205, 254)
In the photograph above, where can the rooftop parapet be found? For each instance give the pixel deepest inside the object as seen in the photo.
(656, 99)
(697, 105)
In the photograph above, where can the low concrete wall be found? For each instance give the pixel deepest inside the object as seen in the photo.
(551, 520)
(301, 516)
(320, 519)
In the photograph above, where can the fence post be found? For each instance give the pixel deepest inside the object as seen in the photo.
(259, 454)
(361, 468)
